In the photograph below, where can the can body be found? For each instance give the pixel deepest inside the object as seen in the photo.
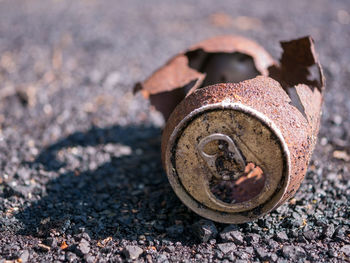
(269, 132)
(240, 128)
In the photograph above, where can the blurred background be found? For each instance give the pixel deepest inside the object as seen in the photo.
(79, 153)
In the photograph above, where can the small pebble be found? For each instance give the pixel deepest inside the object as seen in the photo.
(281, 236)
(262, 253)
(346, 250)
(24, 256)
(132, 252)
(204, 230)
(226, 247)
(83, 247)
(231, 234)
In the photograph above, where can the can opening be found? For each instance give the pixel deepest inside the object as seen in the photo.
(222, 67)
(246, 186)
(233, 182)
(219, 67)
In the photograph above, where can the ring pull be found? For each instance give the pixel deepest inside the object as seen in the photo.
(230, 153)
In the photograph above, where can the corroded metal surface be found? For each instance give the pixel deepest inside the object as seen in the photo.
(167, 86)
(234, 151)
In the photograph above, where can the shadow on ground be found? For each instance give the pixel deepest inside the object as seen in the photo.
(124, 197)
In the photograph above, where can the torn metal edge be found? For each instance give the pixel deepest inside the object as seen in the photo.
(177, 74)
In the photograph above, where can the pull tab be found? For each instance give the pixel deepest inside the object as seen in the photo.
(231, 154)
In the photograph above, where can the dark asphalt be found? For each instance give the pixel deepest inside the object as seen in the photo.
(80, 169)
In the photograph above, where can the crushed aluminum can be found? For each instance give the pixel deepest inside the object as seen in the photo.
(241, 128)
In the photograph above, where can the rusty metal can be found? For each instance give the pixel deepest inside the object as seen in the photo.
(238, 143)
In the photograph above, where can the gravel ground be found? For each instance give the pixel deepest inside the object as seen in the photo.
(80, 169)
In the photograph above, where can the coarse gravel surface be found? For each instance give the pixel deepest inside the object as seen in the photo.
(80, 170)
